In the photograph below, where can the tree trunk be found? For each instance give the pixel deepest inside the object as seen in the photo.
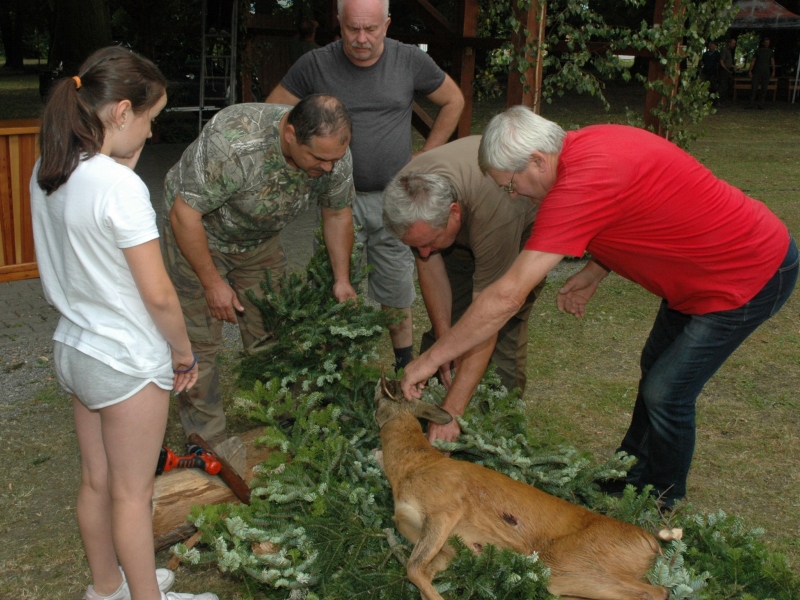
(81, 27)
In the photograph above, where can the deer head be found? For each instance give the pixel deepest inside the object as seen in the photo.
(390, 403)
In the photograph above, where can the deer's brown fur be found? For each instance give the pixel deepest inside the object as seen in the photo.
(589, 555)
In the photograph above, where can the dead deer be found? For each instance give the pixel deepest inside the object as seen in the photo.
(589, 555)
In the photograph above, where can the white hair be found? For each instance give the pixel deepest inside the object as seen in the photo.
(412, 197)
(513, 135)
(384, 5)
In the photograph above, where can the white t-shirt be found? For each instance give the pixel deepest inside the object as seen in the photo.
(79, 232)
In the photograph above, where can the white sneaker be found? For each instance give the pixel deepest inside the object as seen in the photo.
(177, 596)
(165, 579)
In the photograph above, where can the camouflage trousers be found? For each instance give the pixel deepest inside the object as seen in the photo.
(511, 350)
(201, 409)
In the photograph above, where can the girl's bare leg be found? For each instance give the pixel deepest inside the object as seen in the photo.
(133, 432)
(121, 444)
(94, 502)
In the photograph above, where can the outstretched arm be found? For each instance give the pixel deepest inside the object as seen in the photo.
(484, 318)
(437, 295)
(469, 373)
(337, 229)
(187, 225)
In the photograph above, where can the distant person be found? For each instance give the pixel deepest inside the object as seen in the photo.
(762, 68)
(721, 262)
(305, 40)
(465, 232)
(709, 66)
(249, 173)
(376, 77)
(120, 344)
(726, 71)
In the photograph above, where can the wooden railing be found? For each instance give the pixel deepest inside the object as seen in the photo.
(19, 149)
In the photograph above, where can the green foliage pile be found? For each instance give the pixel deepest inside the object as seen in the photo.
(314, 340)
(320, 521)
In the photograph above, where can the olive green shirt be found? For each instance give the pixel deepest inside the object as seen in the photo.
(235, 174)
(494, 226)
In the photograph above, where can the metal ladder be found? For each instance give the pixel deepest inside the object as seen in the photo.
(218, 61)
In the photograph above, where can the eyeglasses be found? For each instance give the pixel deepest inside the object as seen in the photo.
(509, 187)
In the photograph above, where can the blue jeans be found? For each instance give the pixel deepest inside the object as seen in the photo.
(680, 356)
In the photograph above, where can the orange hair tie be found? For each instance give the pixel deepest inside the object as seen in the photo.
(77, 82)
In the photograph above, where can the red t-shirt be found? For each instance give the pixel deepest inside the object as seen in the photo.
(650, 212)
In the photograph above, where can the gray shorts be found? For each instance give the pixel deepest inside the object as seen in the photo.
(96, 384)
(391, 281)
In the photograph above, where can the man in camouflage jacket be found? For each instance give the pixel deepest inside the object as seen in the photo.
(236, 186)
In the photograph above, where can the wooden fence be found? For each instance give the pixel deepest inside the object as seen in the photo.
(19, 149)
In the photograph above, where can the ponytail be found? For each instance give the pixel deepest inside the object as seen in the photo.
(72, 129)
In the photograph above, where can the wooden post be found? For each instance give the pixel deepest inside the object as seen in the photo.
(655, 73)
(464, 61)
(534, 21)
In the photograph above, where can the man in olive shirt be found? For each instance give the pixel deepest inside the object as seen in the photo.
(762, 68)
(253, 168)
(465, 232)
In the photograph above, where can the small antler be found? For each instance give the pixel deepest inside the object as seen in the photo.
(384, 384)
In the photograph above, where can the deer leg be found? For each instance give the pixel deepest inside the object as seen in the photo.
(428, 557)
(602, 564)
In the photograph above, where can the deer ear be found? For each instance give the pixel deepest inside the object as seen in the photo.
(431, 412)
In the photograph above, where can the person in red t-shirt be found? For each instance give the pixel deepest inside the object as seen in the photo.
(721, 262)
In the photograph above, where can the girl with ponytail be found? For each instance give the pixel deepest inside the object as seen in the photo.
(121, 343)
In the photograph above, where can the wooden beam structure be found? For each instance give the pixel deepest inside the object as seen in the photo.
(457, 43)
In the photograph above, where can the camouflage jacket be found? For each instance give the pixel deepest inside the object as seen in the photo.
(236, 175)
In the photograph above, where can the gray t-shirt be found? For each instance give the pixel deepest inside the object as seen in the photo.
(379, 97)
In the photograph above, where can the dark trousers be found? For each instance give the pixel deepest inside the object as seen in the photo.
(680, 356)
(725, 86)
(759, 84)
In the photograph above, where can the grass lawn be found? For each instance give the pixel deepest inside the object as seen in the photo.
(19, 95)
(582, 376)
(583, 373)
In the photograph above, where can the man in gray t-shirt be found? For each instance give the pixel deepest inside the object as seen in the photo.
(376, 78)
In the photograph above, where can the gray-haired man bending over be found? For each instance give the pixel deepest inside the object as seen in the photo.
(465, 232)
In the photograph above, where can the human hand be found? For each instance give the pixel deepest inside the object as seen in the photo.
(448, 432)
(342, 291)
(415, 376)
(185, 371)
(223, 302)
(447, 373)
(576, 293)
